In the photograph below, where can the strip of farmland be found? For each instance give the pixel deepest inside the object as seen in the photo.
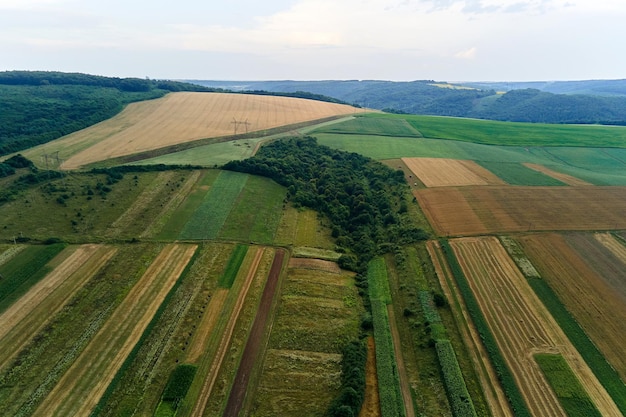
(83, 384)
(442, 172)
(20, 322)
(498, 403)
(482, 210)
(565, 178)
(257, 340)
(522, 326)
(589, 294)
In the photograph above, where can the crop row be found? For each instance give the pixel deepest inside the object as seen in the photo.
(502, 370)
(391, 403)
(568, 389)
(460, 400)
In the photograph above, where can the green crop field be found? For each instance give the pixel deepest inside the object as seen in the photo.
(210, 216)
(566, 386)
(517, 174)
(372, 126)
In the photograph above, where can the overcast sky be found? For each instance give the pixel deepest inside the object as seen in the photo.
(451, 40)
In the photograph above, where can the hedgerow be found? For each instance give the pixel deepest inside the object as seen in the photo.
(460, 400)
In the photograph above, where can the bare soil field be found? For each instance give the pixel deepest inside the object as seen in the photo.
(442, 172)
(23, 320)
(565, 178)
(80, 388)
(498, 403)
(494, 209)
(591, 292)
(522, 326)
(184, 117)
(371, 402)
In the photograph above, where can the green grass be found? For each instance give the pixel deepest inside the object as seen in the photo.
(234, 263)
(256, 213)
(391, 403)
(210, 216)
(372, 126)
(207, 155)
(23, 271)
(517, 174)
(607, 376)
(568, 389)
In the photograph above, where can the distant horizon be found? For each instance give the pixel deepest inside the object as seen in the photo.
(394, 40)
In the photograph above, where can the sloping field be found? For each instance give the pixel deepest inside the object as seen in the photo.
(591, 289)
(183, 117)
(481, 210)
(442, 172)
(522, 326)
(23, 319)
(85, 381)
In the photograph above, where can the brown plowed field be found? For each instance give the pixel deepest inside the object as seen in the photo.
(23, 320)
(564, 178)
(498, 403)
(184, 117)
(255, 344)
(590, 292)
(442, 172)
(496, 209)
(82, 385)
(522, 326)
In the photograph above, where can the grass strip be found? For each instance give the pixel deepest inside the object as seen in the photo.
(133, 354)
(503, 372)
(391, 403)
(177, 386)
(568, 389)
(234, 263)
(20, 273)
(605, 373)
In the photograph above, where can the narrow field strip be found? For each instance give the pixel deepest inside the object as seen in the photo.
(10, 252)
(522, 325)
(498, 403)
(567, 179)
(224, 342)
(206, 325)
(371, 402)
(23, 320)
(83, 384)
(405, 388)
(257, 339)
(612, 244)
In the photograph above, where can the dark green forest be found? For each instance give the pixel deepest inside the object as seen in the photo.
(37, 107)
(364, 199)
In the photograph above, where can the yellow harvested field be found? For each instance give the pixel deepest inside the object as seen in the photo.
(567, 179)
(522, 326)
(442, 172)
(184, 117)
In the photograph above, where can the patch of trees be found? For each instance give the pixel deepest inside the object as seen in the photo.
(363, 199)
(350, 399)
(297, 94)
(37, 107)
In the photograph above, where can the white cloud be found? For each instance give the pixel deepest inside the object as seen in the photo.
(467, 53)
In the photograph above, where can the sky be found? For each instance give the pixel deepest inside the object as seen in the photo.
(398, 40)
